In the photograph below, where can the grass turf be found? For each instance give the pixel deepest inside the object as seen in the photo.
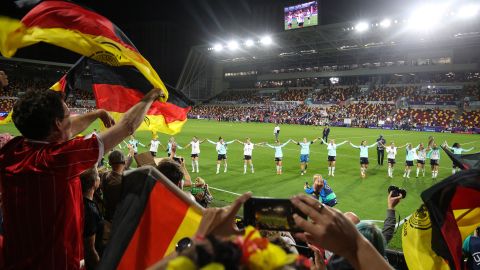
(367, 197)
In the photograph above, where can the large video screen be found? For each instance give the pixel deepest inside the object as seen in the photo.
(303, 15)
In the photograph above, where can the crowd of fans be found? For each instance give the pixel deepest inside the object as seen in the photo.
(384, 93)
(426, 117)
(335, 94)
(470, 119)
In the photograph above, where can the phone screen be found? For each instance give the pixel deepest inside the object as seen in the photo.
(271, 214)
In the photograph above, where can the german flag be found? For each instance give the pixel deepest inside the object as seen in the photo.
(117, 89)
(152, 217)
(83, 31)
(433, 237)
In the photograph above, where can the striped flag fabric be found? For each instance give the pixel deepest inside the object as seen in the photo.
(152, 217)
(433, 236)
(117, 89)
(87, 33)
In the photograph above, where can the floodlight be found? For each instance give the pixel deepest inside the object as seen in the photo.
(361, 26)
(232, 45)
(426, 17)
(468, 11)
(217, 47)
(249, 43)
(385, 23)
(267, 40)
(334, 80)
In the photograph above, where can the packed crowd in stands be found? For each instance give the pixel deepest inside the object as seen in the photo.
(293, 95)
(426, 117)
(389, 93)
(335, 94)
(470, 119)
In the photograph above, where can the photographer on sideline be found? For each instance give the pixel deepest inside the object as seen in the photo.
(320, 190)
(390, 220)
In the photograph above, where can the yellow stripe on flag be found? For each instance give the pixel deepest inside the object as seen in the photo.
(14, 35)
(417, 243)
(189, 224)
(154, 123)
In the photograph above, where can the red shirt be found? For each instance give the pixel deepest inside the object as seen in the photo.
(43, 202)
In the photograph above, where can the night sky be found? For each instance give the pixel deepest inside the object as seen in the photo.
(184, 23)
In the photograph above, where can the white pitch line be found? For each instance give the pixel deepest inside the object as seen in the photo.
(365, 220)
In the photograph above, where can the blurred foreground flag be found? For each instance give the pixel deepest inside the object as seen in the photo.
(80, 30)
(416, 243)
(152, 217)
(464, 161)
(433, 236)
(117, 89)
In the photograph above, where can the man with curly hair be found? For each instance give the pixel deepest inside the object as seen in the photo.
(39, 177)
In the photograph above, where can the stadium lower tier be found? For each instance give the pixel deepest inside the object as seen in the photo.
(354, 115)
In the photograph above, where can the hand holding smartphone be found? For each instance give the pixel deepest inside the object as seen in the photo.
(271, 214)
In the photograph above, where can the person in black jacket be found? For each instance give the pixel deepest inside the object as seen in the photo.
(380, 150)
(326, 132)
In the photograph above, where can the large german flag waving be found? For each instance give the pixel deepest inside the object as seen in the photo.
(117, 89)
(83, 31)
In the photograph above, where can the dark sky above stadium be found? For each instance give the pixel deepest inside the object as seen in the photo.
(201, 21)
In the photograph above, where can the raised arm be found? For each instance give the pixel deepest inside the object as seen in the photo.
(268, 145)
(232, 141)
(202, 141)
(402, 146)
(295, 142)
(179, 147)
(283, 145)
(236, 141)
(316, 139)
(83, 121)
(468, 150)
(141, 144)
(323, 141)
(342, 143)
(212, 142)
(130, 121)
(354, 146)
(373, 145)
(188, 145)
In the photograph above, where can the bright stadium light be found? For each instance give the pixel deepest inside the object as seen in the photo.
(217, 47)
(468, 11)
(361, 27)
(249, 43)
(266, 40)
(426, 17)
(232, 45)
(385, 23)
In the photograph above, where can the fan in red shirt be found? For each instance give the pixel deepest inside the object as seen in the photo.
(39, 178)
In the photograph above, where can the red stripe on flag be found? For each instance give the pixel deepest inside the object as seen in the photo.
(465, 198)
(155, 230)
(117, 98)
(61, 14)
(452, 237)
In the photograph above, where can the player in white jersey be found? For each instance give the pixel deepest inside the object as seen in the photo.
(195, 144)
(363, 156)
(172, 148)
(247, 154)
(134, 143)
(289, 20)
(154, 144)
(421, 156)
(391, 154)
(221, 147)
(276, 132)
(278, 154)
(300, 19)
(332, 155)
(304, 154)
(309, 14)
(409, 157)
(433, 152)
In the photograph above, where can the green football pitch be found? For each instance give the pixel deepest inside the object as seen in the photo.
(365, 197)
(313, 22)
